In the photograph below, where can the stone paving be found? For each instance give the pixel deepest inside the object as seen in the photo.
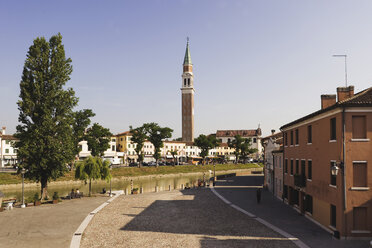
(278, 213)
(188, 218)
(47, 225)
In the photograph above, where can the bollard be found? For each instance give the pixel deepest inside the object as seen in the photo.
(126, 191)
(141, 190)
(169, 188)
(182, 187)
(156, 189)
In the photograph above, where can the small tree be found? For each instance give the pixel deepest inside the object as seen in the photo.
(156, 135)
(246, 148)
(93, 168)
(205, 143)
(98, 139)
(174, 153)
(138, 137)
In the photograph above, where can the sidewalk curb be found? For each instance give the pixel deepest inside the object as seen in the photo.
(290, 237)
(76, 237)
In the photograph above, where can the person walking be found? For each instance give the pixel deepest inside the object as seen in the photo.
(258, 194)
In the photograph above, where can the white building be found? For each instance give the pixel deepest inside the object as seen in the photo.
(8, 154)
(110, 154)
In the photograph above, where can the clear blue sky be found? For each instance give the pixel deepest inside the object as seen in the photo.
(255, 62)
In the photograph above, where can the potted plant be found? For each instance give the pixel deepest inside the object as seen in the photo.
(29, 201)
(37, 201)
(135, 191)
(55, 198)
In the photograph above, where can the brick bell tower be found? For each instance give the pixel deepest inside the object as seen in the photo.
(187, 97)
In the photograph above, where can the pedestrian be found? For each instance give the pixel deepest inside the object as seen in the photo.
(258, 195)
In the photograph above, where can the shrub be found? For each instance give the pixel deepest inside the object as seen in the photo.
(36, 197)
(55, 196)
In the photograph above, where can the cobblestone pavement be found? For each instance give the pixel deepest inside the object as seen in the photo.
(188, 218)
(47, 225)
(278, 213)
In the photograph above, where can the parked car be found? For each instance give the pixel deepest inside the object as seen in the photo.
(133, 164)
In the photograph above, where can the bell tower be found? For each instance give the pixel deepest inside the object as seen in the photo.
(188, 91)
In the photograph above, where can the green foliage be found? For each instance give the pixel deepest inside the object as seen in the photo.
(156, 136)
(55, 196)
(93, 168)
(242, 147)
(45, 132)
(174, 153)
(205, 143)
(138, 137)
(36, 197)
(98, 139)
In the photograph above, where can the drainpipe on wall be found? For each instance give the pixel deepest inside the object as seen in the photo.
(344, 169)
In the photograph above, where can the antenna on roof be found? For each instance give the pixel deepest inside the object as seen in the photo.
(343, 55)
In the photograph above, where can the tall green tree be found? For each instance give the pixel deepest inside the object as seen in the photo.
(205, 143)
(98, 139)
(174, 153)
(45, 132)
(93, 168)
(156, 136)
(138, 137)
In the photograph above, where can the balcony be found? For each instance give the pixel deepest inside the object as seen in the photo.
(300, 180)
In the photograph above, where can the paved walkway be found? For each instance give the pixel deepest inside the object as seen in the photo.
(47, 225)
(188, 218)
(277, 213)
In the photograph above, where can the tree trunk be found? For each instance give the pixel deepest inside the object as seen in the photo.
(90, 186)
(44, 188)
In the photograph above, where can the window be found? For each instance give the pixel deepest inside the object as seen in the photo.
(285, 139)
(228, 140)
(310, 169)
(6, 150)
(303, 167)
(188, 82)
(254, 140)
(286, 166)
(292, 138)
(359, 127)
(296, 132)
(309, 134)
(333, 215)
(360, 218)
(333, 178)
(333, 129)
(359, 174)
(113, 148)
(291, 166)
(121, 139)
(297, 166)
(184, 82)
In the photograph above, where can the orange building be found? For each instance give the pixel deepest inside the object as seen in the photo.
(328, 163)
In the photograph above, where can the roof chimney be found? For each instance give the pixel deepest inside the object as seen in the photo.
(272, 131)
(344, 93)
(327, 100)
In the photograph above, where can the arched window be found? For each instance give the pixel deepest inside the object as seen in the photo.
(184, 81)
(188, 81)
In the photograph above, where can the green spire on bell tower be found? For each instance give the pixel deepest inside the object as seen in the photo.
(187, 60)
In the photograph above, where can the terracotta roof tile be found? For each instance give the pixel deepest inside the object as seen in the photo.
(232, 133)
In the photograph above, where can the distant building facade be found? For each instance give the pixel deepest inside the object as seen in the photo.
(8, 153)
(226, 136)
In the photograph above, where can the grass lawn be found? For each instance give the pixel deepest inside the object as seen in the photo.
(12, 178)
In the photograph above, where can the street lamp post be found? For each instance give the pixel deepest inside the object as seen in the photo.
(23, 171)
(110, 182)
(214, 173)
